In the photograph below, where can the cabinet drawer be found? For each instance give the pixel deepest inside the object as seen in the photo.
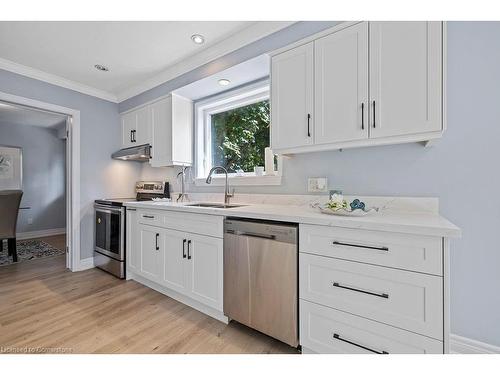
(150, 217)
(404, 299)
(209, 225)
(405, 251)
(326, 330)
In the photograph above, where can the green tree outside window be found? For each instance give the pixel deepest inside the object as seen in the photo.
(239, 137)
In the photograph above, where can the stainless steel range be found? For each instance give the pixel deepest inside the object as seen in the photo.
(110, 226)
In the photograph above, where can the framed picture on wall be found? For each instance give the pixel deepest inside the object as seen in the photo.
(11, 168)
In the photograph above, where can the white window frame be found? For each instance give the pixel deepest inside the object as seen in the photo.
(226, 101)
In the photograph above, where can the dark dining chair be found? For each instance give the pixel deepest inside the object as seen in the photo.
(10, 200)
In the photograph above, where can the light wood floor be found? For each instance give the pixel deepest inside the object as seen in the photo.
(59, 241)
(44, 305)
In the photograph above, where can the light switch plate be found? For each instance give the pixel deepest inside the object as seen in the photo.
(317, 184)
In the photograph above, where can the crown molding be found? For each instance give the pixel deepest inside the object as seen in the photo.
(256, 31)
(55, 80)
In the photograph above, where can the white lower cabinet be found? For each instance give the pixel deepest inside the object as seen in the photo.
(325, 330)
(174, 261)
(150, 252)
(359, 292)
(205, 256)
(188, 264)
(132, 241)
(192, 265)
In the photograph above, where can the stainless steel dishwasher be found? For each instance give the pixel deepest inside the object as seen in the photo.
(261, 277)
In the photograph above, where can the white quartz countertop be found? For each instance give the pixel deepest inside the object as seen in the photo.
(421, 223)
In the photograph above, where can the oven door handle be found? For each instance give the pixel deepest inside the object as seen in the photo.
(108, 209)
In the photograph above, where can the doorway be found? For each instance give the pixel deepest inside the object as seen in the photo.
(69, 129)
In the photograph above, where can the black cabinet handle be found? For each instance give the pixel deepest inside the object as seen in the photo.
(148, 216)
(308, 124)
(360, 246)
(184, 248)
(189, 249)
(336, 336)
(133, 133)
(362, 116)
(157, 236)
(131, 136)
(374, 114)
(381, 295)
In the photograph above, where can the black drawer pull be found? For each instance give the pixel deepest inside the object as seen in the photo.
(184, 248)
(362, 116)
(148, 216)
(336, 336)
(381, 295)
(308, 124)
(374, 116)
(361, 246)
(189, 249)
(157, 246)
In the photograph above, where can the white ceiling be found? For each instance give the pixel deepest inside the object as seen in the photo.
(18, 115)
(248, 71)
(134, 52)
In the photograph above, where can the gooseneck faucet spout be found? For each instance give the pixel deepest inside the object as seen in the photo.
(227, 196)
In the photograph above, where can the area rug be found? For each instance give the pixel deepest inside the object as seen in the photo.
(28, 250)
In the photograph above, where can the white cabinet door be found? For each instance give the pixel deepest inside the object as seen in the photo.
(150, 252)
(292, 76)
(175, 266)
(128, 129)
(161, 133)
(143, 135)
(132, 241)
(405, 78)
(205, 256)
(341, 85)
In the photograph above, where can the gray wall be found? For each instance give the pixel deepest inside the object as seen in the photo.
(100, 176)
(44, 168)
(461, 170)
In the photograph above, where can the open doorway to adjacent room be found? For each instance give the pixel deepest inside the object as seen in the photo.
(37, 190)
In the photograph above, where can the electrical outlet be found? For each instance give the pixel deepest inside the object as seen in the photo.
(30, 220)
(317, 184)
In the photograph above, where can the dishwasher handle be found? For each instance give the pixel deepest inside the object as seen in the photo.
(251, 234)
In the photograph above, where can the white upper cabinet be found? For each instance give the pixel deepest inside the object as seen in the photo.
(143, 133)
(358, 84)
(292, 79)
(166, 125)
(405, 78)
(129, 128)
(341, 85)
(172, 128)
(136, 127)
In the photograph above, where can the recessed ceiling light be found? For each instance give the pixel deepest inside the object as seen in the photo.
(102, 68)
(224, 82)
(198, 39)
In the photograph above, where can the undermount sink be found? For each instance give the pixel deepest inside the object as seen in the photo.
(215, 205)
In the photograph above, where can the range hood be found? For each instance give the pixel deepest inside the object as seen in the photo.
(136, 153)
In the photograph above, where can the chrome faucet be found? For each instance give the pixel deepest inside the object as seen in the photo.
(182, 195)
(227, 196)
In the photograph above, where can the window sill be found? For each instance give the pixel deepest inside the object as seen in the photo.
(240, 181)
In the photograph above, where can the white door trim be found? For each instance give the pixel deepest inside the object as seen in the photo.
(72, 171)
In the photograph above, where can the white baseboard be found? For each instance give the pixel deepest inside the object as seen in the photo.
(464, 345)
(40, 233)
(86, 264)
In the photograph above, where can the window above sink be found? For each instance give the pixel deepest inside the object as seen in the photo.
(233, 131)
